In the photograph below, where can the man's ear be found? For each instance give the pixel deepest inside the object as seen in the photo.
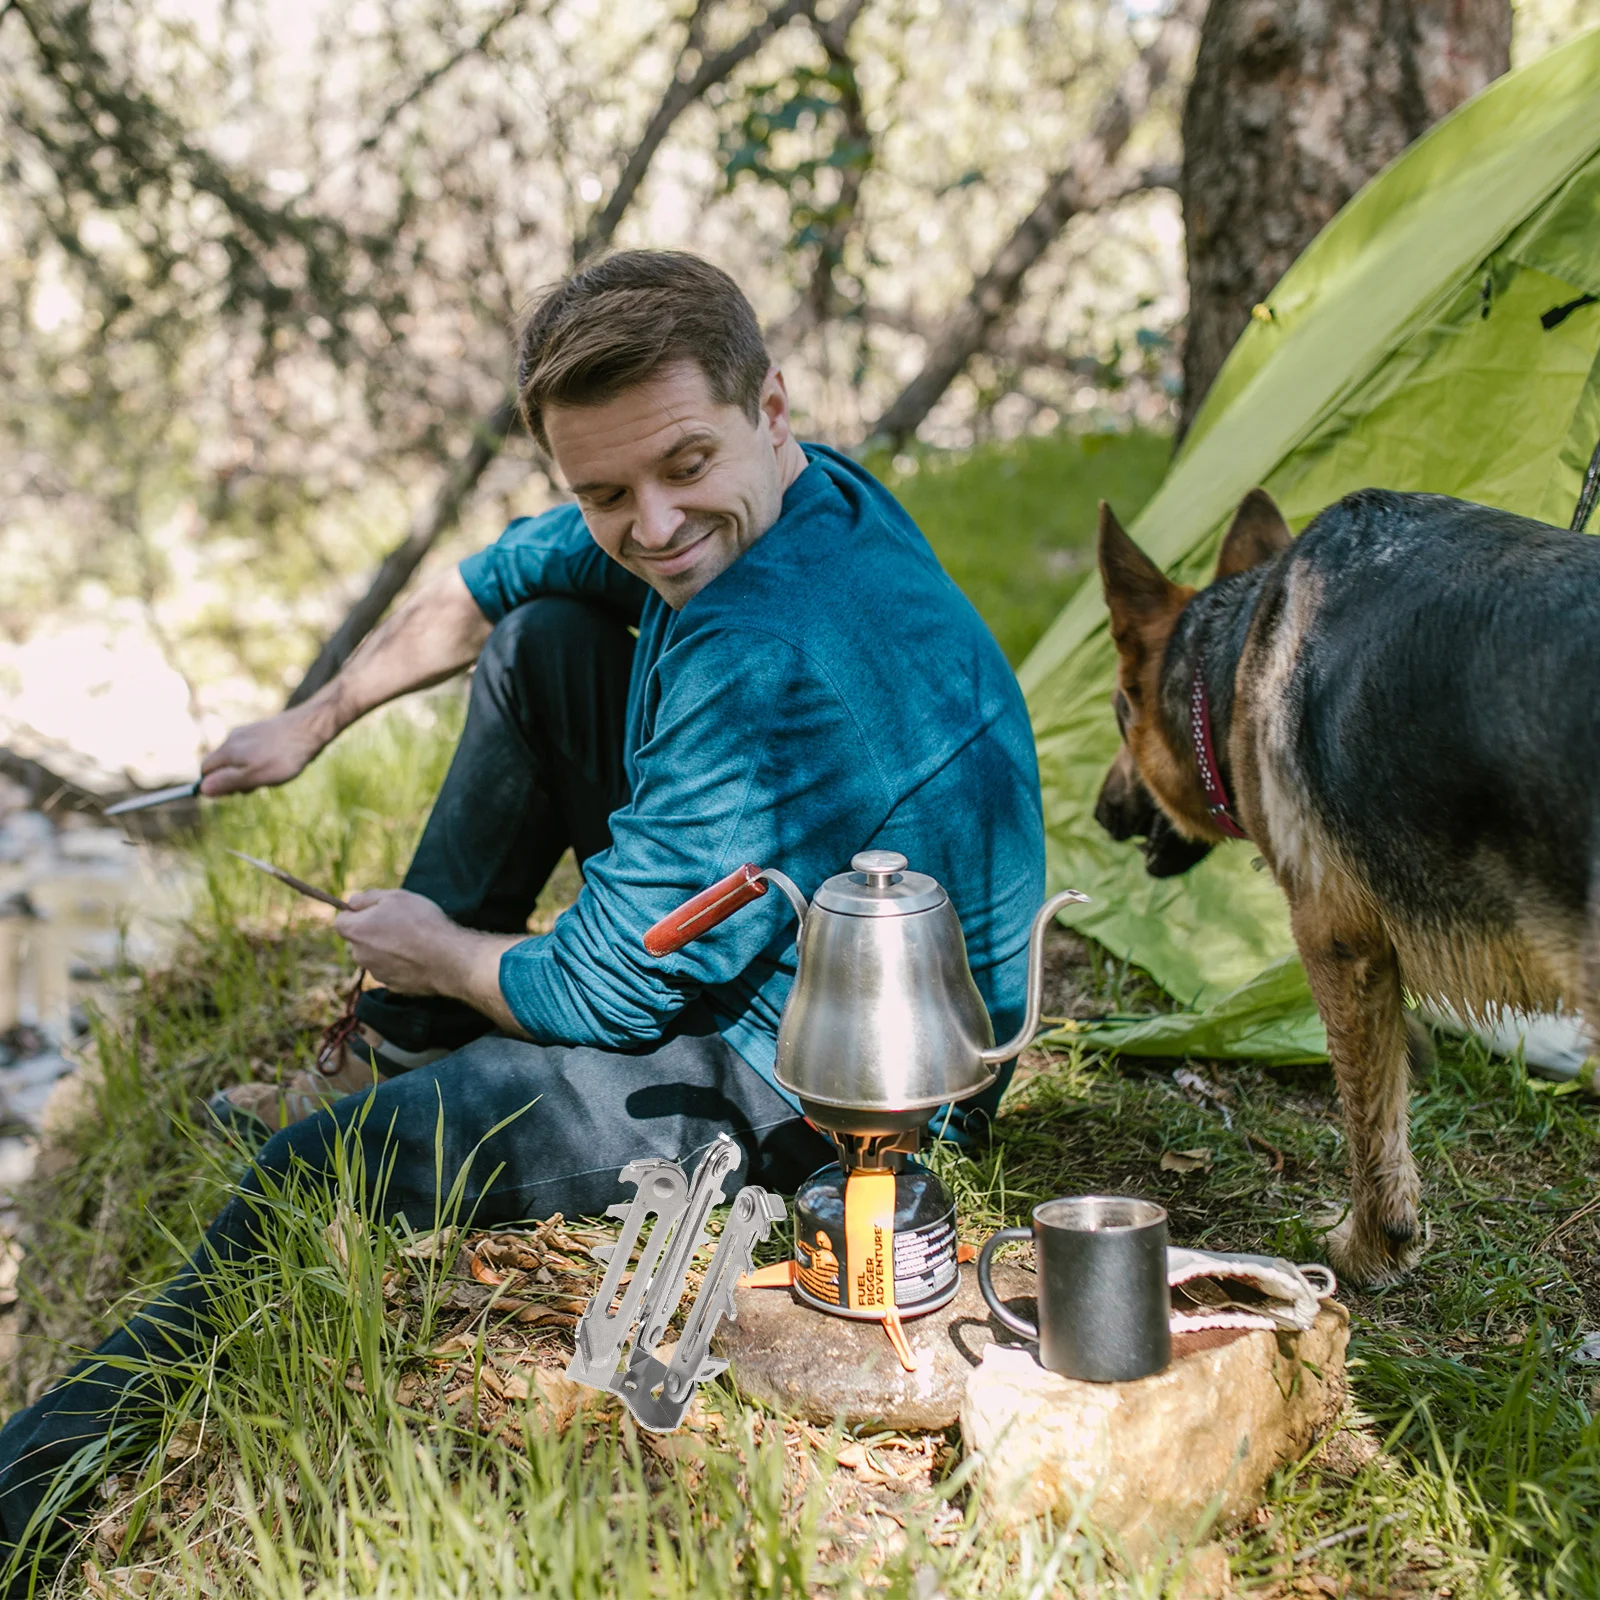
(1136, 589)
(1258, 534)
(774, 406)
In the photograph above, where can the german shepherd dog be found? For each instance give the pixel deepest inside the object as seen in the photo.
(1401, 710)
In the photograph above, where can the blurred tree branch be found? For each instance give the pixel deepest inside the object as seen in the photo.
(101, 109)
(394, 572)
(694, 74)
(434, 74)
(1021, 353)
(681, 93)
(1090, 181)
(824, 296)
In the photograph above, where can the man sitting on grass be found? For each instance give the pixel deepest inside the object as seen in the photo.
(731, 648)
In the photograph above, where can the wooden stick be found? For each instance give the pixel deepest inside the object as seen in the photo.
(299, 885)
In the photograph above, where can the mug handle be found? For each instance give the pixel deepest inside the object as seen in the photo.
(986, 1284)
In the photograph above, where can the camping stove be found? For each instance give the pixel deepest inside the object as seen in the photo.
(874, 1237)
(868, 1238)
(883, 1026)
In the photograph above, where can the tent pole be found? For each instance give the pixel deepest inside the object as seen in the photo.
(1589, 493)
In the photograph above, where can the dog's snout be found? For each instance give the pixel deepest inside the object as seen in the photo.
(1127, 810)
(1124, 807)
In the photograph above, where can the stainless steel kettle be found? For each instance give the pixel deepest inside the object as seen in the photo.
(884, 1022)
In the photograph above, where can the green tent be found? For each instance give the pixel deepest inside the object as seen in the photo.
(1443, 334)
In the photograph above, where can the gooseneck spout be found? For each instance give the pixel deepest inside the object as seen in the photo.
(1030, 1021)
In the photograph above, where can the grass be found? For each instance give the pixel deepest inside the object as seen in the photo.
(362, 1436)
(385, 1425)
(355, 1434)
(1014, 523)
(1465, 1375)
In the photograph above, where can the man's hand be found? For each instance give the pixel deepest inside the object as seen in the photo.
(409, 945)
(262, 754)
(399, 937)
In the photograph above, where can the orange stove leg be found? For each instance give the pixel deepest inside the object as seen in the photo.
(779, 1276)
(897, 1337)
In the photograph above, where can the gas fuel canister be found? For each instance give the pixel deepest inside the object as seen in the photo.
(875, 1242)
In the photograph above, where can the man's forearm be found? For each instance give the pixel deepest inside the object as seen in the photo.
(470, 971)
(435, 634)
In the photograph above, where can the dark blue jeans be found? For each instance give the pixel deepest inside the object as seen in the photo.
(576, 1115)
(538, 771)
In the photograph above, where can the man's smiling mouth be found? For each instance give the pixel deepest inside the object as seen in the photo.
(669, 562)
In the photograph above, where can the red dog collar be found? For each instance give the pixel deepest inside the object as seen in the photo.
(1205, 755)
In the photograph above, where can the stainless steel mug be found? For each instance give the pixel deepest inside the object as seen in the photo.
(1102, 1273)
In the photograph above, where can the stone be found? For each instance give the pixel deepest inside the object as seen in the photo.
(1152, 1461)
(1202, 1574)
(804, 1362)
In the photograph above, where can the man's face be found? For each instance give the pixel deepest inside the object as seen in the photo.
(672, 484)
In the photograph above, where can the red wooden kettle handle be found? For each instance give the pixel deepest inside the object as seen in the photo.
(706, 910)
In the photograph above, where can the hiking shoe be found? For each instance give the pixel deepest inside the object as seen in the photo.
(363, 1058)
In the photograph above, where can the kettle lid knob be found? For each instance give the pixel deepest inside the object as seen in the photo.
(879, 884)
(878, 867)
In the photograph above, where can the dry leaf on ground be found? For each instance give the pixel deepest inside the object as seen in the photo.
(435, 1245)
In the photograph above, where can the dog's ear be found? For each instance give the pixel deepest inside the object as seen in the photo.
(1136, 589)
(1258, 534)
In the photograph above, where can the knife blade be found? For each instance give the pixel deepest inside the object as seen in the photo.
(159, 797)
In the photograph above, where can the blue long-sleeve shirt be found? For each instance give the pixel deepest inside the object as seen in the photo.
(831, 691)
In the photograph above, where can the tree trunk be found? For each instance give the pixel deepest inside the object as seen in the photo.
(394, 572)
(1294, 105)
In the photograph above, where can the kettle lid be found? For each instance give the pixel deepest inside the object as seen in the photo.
(878, 885)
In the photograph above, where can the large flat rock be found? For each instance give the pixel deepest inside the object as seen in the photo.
(804, 1362)
(1148, 1460)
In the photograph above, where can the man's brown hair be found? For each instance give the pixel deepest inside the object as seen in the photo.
(619, 321)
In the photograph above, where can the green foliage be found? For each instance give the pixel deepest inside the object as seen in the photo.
(796, 104)
(806, 135)
(257, 268)
(1014, 524)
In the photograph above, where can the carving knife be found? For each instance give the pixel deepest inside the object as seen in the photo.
(159, 797)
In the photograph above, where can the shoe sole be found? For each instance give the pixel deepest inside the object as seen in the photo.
(220, 1115)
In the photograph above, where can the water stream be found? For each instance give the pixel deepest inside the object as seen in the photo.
(80, 905)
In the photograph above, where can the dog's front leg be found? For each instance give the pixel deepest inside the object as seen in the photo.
(1355, 978)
